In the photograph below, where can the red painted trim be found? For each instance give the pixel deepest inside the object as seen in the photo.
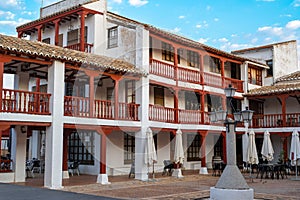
(103, 155)
(203, 147)
(8, 58)
(56, 37)
(60, 16)
(176, 107)
(116, 92)
(224, 147)
(82, 27)
(91, 96)
(39, 28)
(10, 123)
(1, 82)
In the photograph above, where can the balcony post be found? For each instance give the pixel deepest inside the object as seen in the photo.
(175, 64)
(203, 169)
(56, 23)
(20, 34)
(202, 104)
(223, 72)
(39, 28)
(66, 133)
(102, 176)
(201, 57)
(283, 109)
(1, 82)
(82, 30)
(176, 113)
(117, 80)
(92, 75)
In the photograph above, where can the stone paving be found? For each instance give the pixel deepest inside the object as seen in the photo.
(192, 186)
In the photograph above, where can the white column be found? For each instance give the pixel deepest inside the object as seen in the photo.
(142, 98)
(35, 144)
(19, 153)
(54, 133)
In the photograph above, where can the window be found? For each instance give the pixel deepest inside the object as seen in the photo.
(110, 94)
(113, 37)
(129, 148)
(213, 63)
(270, 70)
(130, 91)
(60, 40)
(254, 76)
(81, 147)
(192, 101)
(159, 96)
(179, 55)
(257, 107)
(218, 148)
(214, 103)
(167, 52)
(73, 36)
(193, 151)
(193, 59)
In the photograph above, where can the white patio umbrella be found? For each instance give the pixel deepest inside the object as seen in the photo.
(178, 154)
(267, 151)
(245, 140)
(150, 152)
(252, 157)
(295, 149)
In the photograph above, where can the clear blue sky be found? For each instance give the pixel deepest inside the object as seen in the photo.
(224, 24)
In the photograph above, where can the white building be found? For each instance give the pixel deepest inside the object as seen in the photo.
(95, 106)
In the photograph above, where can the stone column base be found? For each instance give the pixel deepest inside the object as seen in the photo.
(102, 179)
(203, 170)
(65, 175)
(231, 194)
(177, 173)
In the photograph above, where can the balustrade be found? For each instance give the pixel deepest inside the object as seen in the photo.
(161, 114)
(275, 120)
(162, 69)
(17, 101)
(87, 47)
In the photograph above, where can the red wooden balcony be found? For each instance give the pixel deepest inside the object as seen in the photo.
(237, 84)
(162, 69)
(103, 109)
(276, 120)
(213, 80)
(161, 114)
(87, 47)
(189, 75)
(190, 117)
(17, 101)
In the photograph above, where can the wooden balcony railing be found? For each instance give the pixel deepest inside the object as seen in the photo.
(190, 117)
(17, 101)
(189, 75)
(276, 120)
(167, 70)
(87, 47)
(5, 165)
(213, 80)
(128, 111)
(76, 106)
(162, 69)
(235, 83)
(161, 114)
(103, 109)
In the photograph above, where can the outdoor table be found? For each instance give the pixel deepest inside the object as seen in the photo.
(265, 169)
(279, 170)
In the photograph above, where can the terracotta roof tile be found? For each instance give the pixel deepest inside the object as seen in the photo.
(46, 51)
(274, 89)
(290, 77)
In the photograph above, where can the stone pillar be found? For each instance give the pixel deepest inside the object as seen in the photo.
(54, 133)
(142, 98)
(231, 185)
(19, 153)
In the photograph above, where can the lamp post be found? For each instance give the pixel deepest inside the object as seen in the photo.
(231, 185)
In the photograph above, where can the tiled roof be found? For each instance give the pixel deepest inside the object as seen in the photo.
(290, 77)
(46, 51)
(285, 84)
(184, 40)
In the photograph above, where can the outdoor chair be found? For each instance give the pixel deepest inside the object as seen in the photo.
(217, 165)
(74, 168)
(132, 170)
(168, 167)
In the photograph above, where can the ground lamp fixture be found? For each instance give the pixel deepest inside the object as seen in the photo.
(231, 185)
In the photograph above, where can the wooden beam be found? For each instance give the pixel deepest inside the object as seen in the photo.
(8, 58)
